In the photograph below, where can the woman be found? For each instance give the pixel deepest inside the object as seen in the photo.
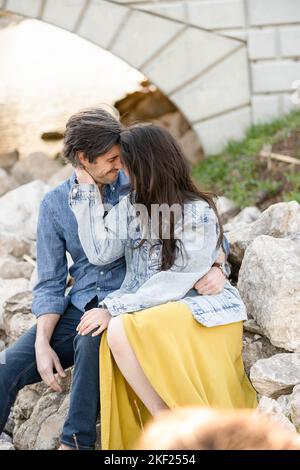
(165, 346)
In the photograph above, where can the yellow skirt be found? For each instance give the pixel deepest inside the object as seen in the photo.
(186, 363)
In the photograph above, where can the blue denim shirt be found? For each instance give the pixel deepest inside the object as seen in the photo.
(119, 233)
(57, 233)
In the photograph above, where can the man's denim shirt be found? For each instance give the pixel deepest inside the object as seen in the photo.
(57, 233)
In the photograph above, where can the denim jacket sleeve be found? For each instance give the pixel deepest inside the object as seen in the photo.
(226, 246)
(199, 251)
(52, 267)
(101, 238)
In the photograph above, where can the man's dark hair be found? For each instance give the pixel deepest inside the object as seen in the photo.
(93, 131)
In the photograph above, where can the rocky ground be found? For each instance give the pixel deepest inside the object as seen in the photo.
(265, 260)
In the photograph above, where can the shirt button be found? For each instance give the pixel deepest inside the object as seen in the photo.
(98, 288)
(75, 191)
(113, 188)
(101, 273)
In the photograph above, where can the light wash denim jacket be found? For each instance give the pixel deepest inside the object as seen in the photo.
(106, 239)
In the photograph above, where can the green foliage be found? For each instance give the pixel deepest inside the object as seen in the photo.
(239, 174)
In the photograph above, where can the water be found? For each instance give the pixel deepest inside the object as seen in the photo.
(46, 74)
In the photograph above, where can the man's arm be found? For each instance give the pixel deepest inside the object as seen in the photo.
(49, 299)
(46, 357)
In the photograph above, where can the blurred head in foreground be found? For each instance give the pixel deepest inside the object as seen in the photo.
(209, 429)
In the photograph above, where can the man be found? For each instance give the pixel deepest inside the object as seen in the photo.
(52, 345)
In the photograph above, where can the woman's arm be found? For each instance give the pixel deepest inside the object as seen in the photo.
(199, 238)
(101, 237)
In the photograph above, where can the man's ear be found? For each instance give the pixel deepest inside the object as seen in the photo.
(81, 159)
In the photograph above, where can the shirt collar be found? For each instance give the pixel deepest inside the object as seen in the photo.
(121, 181)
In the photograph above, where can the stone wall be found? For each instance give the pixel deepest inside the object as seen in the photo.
(225, 63)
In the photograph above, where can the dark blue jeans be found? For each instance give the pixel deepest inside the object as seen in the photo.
(20, 369)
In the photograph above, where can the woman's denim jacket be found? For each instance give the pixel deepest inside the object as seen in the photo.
(106, 235)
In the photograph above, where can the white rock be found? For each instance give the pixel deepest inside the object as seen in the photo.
(256, 347)
(280, 220)
(36, 166)
(19, 209)
(276, 375)
(17, 316)
(225, 205)
(10, 424)
(41, 431)
(11, 268)
(295, 407)
(8, 160)
(5, 437)
(60, 176)
(246, 216)
(269, 285)
(7, 182)
(6, 445)
(251, 326)
(271, 408)
(15, 245)
(8, 288)
(24, 405)
(285, 403)
(33, 279)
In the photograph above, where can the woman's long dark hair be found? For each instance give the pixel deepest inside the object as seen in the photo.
(160, 174)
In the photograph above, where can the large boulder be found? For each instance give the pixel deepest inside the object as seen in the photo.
(273, 409)
(8, 288)
(12, 268)
(19, 209)
(7, 182)
(8, 160)
(226, 208)
(17, 315)
(280, 220)
(285, 404)
(270, 287)
(276, 375)
(295, 407)
(39, 415)
(37, 166)
(6, 442)
(246, 216)
(60, 176)
(15, 245)
(257, 347)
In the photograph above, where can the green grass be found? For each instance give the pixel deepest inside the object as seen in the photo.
(239, 174)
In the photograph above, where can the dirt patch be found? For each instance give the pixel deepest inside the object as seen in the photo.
(286, 176)
(290, 145)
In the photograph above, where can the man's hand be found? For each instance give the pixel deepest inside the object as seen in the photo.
(83, 176)
(46, 357)
(92, 319)
(47, 360)
(212, 283)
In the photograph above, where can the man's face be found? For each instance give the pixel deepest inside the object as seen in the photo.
(106, 167)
